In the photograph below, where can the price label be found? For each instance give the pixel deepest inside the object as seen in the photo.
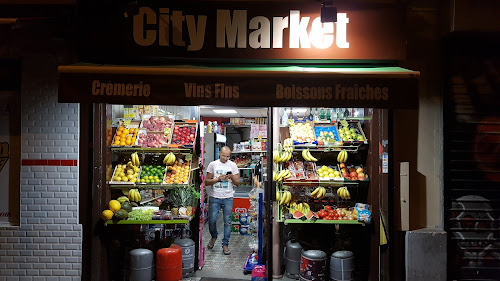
(189, 157)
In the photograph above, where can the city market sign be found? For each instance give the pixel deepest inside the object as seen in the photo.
(239, 30)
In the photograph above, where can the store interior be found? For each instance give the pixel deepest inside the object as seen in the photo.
(194, 136)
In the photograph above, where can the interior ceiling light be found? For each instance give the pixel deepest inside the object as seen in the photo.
(328, 12)
(224, 111)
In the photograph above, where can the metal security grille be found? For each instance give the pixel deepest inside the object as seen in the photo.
(472, 157)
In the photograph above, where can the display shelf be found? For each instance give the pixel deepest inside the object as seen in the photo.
(248, 151)
(179, 150)
(129, 222)
(147, 186)
(150, 200)
(295, 221)
(323, 183)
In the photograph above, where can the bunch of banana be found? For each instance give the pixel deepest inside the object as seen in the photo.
(135, 159)
(288, 145)
(275, 175)
(278, 195)
(283, 158)
(123, 199)
(343, 193)
(134, 195)
(342, 157)
(169, 159)
(284, 174)
(285, 198)
(318, 193)
(306, 154)
(302, 207)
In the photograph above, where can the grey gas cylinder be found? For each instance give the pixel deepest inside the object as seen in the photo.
(141, 265)
(188, 255)
(293, 252)
(313, 266)
(342, 266)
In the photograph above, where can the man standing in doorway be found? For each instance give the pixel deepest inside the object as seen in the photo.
(222, 175)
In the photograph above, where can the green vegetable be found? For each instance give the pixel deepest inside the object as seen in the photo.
(140, 215)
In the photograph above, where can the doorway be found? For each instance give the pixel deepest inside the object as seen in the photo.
(244, 132)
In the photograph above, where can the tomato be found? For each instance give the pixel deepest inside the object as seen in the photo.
(322, 214)
(328, 208)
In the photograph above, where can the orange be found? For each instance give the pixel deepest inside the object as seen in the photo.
(131, 130)
(122, 143)
(120, 129)
(117, 142)
(128, 142)
(129, 137)
(125, 131)
(117, 138)
(118, 133)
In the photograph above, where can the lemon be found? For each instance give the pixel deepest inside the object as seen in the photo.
(107, 215)
(130, 172)
(114, 205)
(330, 170)
(331, 175)
(324, 167)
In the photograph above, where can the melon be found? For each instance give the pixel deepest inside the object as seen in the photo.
(297, 215)
(311, 214)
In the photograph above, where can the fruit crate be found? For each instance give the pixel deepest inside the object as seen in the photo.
(301, 139)
(354, 127)
(169, 179)
(184, 134)
(116, 174)
(126, 134)
(151, 174)
(149, 139)
(350, 169)
(303, 173)
(330, 129)
(335, 168)
(157, 124)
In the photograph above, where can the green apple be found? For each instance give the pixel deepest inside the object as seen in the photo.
(360, 138)
(353, 131)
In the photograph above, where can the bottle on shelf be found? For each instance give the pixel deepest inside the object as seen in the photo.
(346, 113)
(328, 115)
(322, 114)
(284, 118)
(316, 115)
(311, 117)
(290, 115)
(340, 114)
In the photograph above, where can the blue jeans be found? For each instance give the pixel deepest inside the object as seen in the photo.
(215, 204)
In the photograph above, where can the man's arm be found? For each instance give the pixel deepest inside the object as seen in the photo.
(209, 179)
(235, 176)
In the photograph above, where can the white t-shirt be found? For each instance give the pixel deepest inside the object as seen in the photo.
(222, 189)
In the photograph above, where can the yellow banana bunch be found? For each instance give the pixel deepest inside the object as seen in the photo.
(278, 195)
(288, 145)
(135, 159)
(275, 175)
(318, 193)
(169, 159)
(343, 193)
(306, 154)
(286, 156)
(286, 197)
(134, 195)
(342, 157)
(123, 199)
(276, 156)
(284, 174)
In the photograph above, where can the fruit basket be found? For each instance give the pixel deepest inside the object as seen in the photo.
(183, 134)
(329, 173)
(353, 172)
(147, 139)
(179, 172)
(126, 134)
(151, 174)
(351, 132)
(302, 172)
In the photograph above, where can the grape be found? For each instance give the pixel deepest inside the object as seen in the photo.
(140, 215)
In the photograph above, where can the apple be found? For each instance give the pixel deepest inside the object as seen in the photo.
(342, 165)
(359, 170)
(361, 178)
(345, 175)
(353, 174)
(361, 175)
(360, 138)
(354, 178)
(353, 131)
(344, 170)
(351, 170)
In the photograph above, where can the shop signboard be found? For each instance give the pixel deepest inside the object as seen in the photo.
(238, 30)
(240, 88)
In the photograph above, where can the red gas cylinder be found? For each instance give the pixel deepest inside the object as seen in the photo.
(169, 263)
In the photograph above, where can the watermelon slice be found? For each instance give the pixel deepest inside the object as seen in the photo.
(311, 215)
(297, 215)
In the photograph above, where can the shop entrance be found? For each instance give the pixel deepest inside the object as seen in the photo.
(244, 132)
